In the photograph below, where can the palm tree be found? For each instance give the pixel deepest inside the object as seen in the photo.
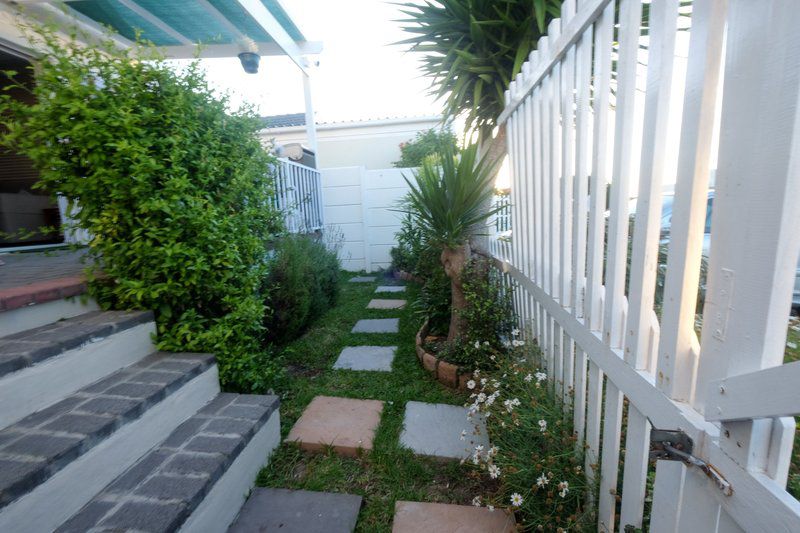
(448, 198)
(472, 49)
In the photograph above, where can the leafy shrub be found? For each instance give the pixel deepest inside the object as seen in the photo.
(488, 319)
(428, 142)
(174, 188)
(533, 451)
(303, 282)
(410, 243)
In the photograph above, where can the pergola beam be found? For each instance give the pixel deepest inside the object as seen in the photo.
(231, 50)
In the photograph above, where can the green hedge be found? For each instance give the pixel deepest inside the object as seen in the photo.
(174, 187)
(302, 284)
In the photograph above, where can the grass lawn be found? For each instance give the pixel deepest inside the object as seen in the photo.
(793, 354)
(389, 473)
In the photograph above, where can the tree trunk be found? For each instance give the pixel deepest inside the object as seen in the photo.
(454, 260)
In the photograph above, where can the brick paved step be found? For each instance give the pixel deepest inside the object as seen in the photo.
(59, 457)
(196, 480)
(42, 365)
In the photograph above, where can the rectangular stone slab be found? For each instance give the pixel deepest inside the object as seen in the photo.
(377, 325)
(434, 429)
(378, 303)
(344, 423)
(366, 358)
(297, 511)
(391, 288)
(362, 279)
(416, 517)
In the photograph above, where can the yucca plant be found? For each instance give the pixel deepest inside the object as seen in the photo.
(448, 197)
(472, 49)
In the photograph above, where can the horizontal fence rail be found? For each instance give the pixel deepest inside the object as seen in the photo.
(645, 324)
(298, 194)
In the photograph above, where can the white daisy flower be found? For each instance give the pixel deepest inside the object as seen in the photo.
(478, 449)
(494, 471)
(476, 501)
(471, 384)
(491, 508)
(481, 398)
(463, 434)
(477, 345)
(542, 480)
(515, 332)
(516, 499)
(563, 489)
(492, 451)
(540, 376)
(528, 378)
(542, 425)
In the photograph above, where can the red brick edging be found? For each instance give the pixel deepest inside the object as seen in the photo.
(41, 292)
(446, 373)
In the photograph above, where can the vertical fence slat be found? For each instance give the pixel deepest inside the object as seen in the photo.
(603, 35)
(676, 362)
(594, 405)
(625, 168)
(634, 478)
(609, 464)
(644, 254)
(554, 253)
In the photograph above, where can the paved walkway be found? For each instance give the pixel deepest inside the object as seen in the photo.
(32, 267)
(348, 426)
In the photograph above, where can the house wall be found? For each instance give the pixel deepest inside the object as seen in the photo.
(373, 144)
(359, 207)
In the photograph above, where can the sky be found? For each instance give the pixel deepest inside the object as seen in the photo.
(361, 75)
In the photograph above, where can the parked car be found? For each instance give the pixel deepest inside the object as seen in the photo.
(666, 222)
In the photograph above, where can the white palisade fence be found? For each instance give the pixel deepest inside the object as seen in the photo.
(579, 149)
(298, 193)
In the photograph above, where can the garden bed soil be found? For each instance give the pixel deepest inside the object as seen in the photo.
(445, 373)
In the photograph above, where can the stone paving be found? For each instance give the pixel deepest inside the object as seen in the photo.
(436, 430)
(297, 511)
(343, 423)
(377, 325)
(362, 279)
(421, 517)
(366, 358)
(391, 288)
(386, 304)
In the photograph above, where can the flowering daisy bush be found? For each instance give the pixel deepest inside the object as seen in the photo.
(532, 452)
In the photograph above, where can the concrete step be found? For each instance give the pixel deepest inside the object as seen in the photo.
(40, 366)
(36, 304)
(58, 458)
(196, 480)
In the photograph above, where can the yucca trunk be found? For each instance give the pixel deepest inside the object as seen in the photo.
(454, 259)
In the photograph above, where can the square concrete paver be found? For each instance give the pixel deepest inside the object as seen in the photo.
(434, 429)
(297, 511)
(362, 279)
(344, 423)
(377, 325)
(419, 517)
(391, 288)
(377, 303)
(366, 358)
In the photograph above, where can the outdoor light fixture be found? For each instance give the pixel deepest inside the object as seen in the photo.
(250, 61)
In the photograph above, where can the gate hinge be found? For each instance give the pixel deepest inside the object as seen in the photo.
(667, 445)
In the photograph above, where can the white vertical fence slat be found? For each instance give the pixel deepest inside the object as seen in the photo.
(298, 193)
(604, 36)
(676, 362)
(574, 130)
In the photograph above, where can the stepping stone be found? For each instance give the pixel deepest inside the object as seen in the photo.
(366, 358)
(386, 304)
(391, 288)
(297, 511)
(344, 423)
(362, 279)
(434, 429)
(419, 517)
(377, 325)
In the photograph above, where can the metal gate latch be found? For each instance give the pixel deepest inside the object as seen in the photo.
(666, 445)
